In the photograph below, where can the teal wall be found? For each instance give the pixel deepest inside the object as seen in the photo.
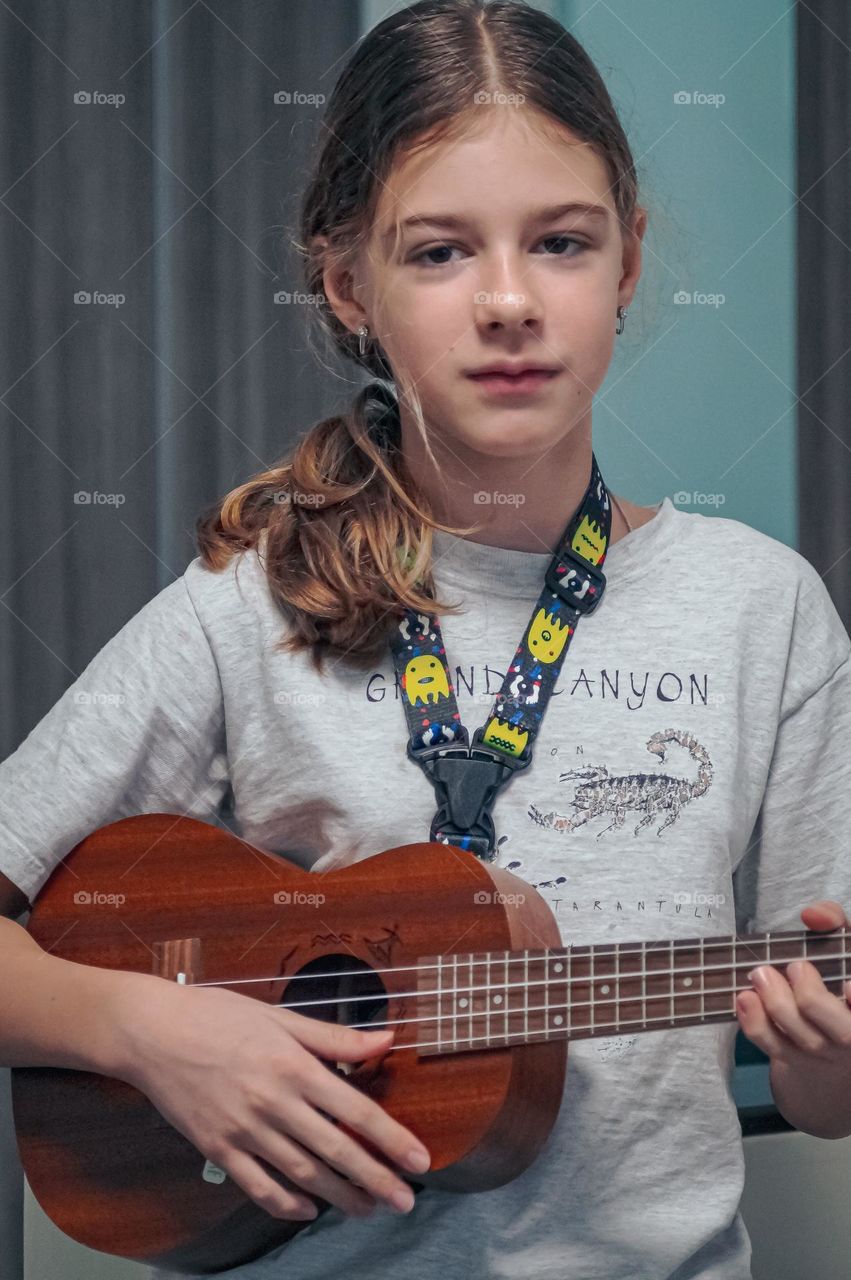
(699, 398)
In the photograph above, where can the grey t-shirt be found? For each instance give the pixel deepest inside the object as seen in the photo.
(714, 679)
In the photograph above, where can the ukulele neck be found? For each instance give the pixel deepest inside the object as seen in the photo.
(489, 1000)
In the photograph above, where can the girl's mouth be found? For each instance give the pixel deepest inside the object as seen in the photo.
(505, 384)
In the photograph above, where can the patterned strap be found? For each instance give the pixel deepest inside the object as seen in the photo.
(573, 586)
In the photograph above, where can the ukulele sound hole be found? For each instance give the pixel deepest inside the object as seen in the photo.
(341, 989)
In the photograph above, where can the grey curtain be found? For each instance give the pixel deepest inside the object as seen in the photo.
(146, 165)
(824, 287)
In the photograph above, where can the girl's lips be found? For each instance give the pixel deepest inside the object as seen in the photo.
(507, 384)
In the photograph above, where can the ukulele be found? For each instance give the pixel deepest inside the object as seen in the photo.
(463, 958)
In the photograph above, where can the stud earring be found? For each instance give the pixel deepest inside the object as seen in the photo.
(363, 333)
(621, 320)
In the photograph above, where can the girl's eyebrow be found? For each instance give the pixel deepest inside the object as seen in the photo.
(545, 214)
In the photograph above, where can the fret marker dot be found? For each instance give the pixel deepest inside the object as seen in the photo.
(687, 982)
(558, 1019)
(462, 1003)
(497, 999)
(557, 968)
(605, 988)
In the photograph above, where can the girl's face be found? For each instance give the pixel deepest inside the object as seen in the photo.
(508, 281)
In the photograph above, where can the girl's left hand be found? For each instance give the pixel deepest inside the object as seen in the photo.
(803, 1028)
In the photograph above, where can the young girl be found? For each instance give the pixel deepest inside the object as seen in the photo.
(473, 204)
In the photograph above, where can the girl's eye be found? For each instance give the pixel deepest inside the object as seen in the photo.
(443, 248)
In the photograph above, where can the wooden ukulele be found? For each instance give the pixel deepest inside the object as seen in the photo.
(463, 958)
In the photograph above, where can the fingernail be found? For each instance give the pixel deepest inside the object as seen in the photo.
(795, 970)
(403, 1200)
(417, 1160)
(758, 977)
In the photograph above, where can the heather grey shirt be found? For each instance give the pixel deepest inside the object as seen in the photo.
(712, 638)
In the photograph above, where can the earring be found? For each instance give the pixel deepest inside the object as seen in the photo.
(621, 319)
(363, 332)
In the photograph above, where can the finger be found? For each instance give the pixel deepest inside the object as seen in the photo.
(819, 1006)
(263, 1189)
(344, 1153)
(756, 1024)
(334, 1042)
(309, 1173)
(824, 915)
(359, 1112)
(780, 1004)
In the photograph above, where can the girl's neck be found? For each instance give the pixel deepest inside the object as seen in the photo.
(523, 505)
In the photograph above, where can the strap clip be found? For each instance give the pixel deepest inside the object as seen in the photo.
(581, 586)
(466, 777)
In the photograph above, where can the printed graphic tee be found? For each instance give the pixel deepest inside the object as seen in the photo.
(692, 778)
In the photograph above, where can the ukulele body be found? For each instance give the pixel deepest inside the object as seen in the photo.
(107, 1167)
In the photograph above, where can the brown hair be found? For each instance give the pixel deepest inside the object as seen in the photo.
(343, 531)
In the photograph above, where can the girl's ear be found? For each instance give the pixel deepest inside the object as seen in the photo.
(338, 285)
(631, 259)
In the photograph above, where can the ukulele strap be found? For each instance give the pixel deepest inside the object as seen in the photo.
(467, 775)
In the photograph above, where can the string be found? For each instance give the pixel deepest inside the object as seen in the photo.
(525, 1036)
(728, 942)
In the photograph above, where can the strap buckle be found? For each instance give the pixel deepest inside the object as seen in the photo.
(583, 595)
(466, 777)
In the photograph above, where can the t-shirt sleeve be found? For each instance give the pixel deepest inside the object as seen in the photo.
(141, 730)
(800, 849)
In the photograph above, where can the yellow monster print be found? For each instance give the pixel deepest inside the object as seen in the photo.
(505, 737)
(589, 541)
(547, 636)
(425, 680)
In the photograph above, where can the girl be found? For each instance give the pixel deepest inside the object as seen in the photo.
(473, 204)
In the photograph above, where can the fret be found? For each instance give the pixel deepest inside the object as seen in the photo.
(767, 945)
(643, 983)
(468, 998)
(671, 967)
(735, 982)
(569, 996)
(506, 1000)
(547, 994)
(702, 975)
(526, 995)
(439, 1009)
(844, 959)
(454, 1003)
(488, 998)
(592, 994)
(617, 986)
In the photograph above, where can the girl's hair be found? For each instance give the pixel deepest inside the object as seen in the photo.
(343, 530)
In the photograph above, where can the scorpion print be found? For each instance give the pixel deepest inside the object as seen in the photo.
(652, 795)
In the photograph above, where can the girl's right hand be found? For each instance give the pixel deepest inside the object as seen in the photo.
(243, 1081)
